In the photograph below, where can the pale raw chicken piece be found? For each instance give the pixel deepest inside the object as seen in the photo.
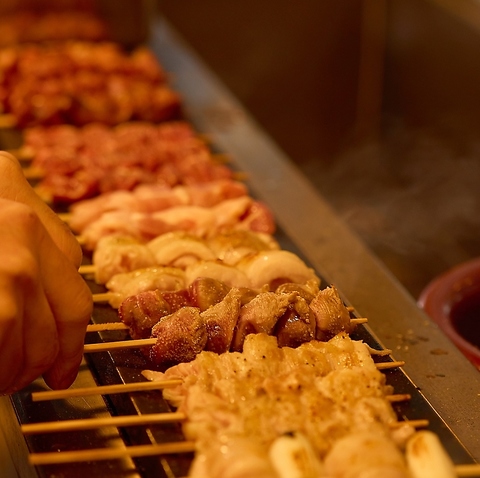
(153, 197)
(258, 218)
(128, 284)
(179, 249)
(229, 212)
(233, 245)
(275, 267)
(367, 454)
(260, 315)
(157, 197)
(213, 192)
(84, 212)
(197, 220)
(117, 254)
(142, 226)
(229, 275)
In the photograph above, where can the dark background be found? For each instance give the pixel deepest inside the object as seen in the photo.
(377, 101)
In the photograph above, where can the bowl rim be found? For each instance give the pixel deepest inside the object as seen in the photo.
(437, 298)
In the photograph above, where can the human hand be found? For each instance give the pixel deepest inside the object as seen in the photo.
(45, 305)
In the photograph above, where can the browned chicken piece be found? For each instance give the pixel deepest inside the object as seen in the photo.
(260, 315)
(142, 311)
(220, 320)
(304, 291)
(297, 325)
(331, 315)
(205, 292)
(180, 337)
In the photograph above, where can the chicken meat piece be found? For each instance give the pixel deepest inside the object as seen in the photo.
(297, 325)
(142, 311)
(179, 249)
(331, 315)
(180, 337)
(321, 391)
(128, 284)
(229, 275)
(220, 320)
(206, 291)
(275, 267)
(118, 254)
(233, 245)
(367, 454)
(260, 315)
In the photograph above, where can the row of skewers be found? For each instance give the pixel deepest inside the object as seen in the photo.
(154, 206)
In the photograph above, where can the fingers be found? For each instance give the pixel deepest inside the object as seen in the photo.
(27, 346)
(72, 308)
(14, 186)
(44, 304)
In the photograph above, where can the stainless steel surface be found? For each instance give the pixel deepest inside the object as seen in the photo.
(446, 379)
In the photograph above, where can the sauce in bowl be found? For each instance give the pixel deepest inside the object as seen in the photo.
(452, 300)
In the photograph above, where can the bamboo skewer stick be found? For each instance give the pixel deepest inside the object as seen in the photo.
(467, 470)
(399, 397)
(106, 327)
(92, 423)
(421, 423)
(102, 297)
(104, 390)
(389, 365)
(98, 454)
(33, 173)
(24, 153)
(137, 420)
(358, 320)
(7, 121)
(87, 269)
(81, 240)
(119, 344)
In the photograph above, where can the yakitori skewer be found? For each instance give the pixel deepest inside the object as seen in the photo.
(92, 423)
(104, 390)
(461, 471)
(103, 297)
(122, 344)
(139, 420)
(34, 173)
(109, 326)
(98, 454)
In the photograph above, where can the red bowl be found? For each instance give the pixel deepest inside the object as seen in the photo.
(452, 300)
